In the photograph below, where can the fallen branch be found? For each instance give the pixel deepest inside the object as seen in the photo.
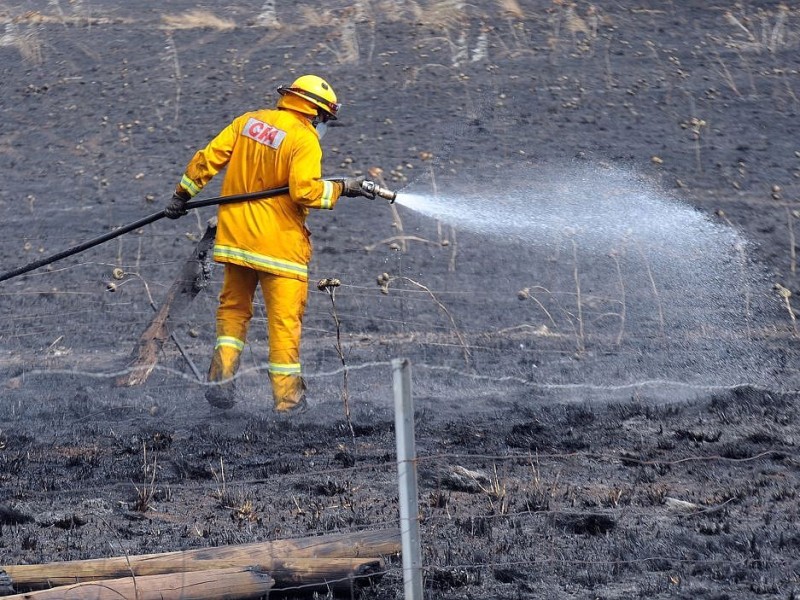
(192, 278)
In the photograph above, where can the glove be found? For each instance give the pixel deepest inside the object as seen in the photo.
(351, 187)
(177, 206)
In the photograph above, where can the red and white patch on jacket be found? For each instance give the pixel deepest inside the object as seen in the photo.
(263, 133)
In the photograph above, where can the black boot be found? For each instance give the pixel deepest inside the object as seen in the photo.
(222, 395)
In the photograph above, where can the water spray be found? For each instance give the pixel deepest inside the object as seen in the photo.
(605, 258)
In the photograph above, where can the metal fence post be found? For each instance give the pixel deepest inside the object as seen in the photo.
(407, 478)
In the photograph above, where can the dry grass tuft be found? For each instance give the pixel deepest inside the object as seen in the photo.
(197, 19)
(575, 23)
(318, 17)
(439, 13)
(394, 12)
(37, 17)
(25, 39)
(763, 31)
(511, 7)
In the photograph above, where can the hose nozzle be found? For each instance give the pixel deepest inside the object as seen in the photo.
(374, 189)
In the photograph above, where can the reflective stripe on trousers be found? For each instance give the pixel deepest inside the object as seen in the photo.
(285, 301)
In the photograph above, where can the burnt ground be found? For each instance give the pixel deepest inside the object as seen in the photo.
(592, 422)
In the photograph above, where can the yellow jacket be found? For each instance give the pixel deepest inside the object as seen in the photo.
(265, 149)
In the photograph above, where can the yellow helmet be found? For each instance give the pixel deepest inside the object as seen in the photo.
(315, 90)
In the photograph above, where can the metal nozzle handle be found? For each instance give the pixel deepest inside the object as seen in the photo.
(373, 188)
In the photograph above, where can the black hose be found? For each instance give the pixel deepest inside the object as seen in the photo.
(136, 225)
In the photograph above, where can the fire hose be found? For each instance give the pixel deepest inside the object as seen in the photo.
(370, 188)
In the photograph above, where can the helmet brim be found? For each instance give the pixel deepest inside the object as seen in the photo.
(330, 108)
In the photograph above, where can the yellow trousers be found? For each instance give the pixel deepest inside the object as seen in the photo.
(285, 300)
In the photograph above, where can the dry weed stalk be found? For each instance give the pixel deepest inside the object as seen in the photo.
(376, 174)
(623, 310)
(653, 287)
(777, 32)
(459, 50)
(783, 74)
(611, 83)
(145, 494)
(786, 294)
(329, 286)
(580, 341)
(741, 249)
(527, 294)
(696, 127)
(538, 496)
(732, 20)
(773, 34)
(725, 72)
(393, 242)
(791, 215)
(385, 280)
(435, 192)
(451, 242)
(445, 242)
(496, 492)
(451, 266)
(172, 55)
(268, 17)
(517, 41)
(450, 18)
(347, 50)
(398, 223)
(554, 39)
(748, 69)
(221, 493)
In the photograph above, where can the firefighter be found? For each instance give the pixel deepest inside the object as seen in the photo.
(266, 241)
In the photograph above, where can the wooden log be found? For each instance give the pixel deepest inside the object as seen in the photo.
(218, 584)
(192, 278)
(339, 574)
(342, 551)
(334, 573)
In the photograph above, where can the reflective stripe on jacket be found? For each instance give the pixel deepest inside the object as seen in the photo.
(262, 150)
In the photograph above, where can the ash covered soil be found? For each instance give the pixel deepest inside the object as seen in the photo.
(606, 407)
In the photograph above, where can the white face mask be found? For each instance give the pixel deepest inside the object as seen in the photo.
(320, 123)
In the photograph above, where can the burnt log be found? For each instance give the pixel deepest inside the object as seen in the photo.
(192, 279)
(218, 584)
(6, 586)
(335, 560)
